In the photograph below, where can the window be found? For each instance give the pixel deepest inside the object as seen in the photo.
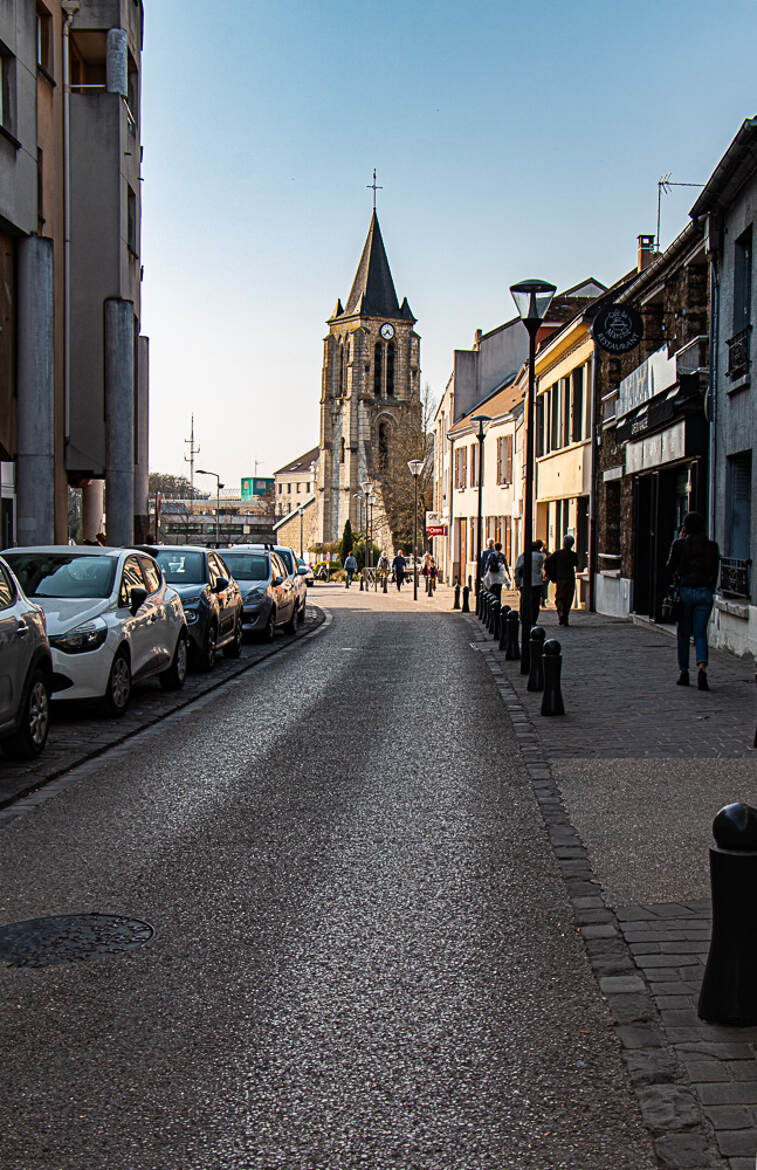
(507, 459)
(152, 575)
(378, 353)
(40, 192)
(44, 39)
(7, 74)
(383, 446)
(7, 592)
(473, 466)
(390, 370)
(554, 417)
(742, 281)
(540, 413)
(131, 221)
(578, 405)
(612, 517)
(341, 455)
(289, 486)
(132, 579)
(738, 511)
(565, 382)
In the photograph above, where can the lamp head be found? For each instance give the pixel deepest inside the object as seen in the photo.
(532, 299)
(482, 420)
(416, 467)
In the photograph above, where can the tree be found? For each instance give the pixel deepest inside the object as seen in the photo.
(347, 542)
(174, 487)
(396, 482)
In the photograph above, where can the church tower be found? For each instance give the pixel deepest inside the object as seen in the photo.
(370, 388)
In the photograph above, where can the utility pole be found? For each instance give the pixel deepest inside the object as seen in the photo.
(192, 452)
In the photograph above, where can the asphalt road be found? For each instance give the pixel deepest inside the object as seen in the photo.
(363, 952)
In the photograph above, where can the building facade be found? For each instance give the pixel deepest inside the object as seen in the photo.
(74, 384)
(370, 389)
(294, 482)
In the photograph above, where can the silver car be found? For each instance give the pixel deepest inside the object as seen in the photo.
(25, 671)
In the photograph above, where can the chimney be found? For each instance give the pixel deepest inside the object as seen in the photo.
(477, 339)
(647, 252)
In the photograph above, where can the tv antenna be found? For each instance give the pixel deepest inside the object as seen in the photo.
(664, 184)
(192, 452)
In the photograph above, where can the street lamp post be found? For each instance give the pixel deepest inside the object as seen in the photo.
(416, 467)
(219, 485)
(532, 300)
(302, 513)
(367, 486)
(482, 420)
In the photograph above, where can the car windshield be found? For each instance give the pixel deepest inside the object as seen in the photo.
(181, 568)
(247, 566)
(63, 574)
(286, 557)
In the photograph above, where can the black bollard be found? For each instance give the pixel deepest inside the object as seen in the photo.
(536, 671)
(466, 595)
(479, 599)
(552, 703)
(384, 582)
(361, 584)
(494, 624)
(504, 611)
(456, 603)
(512, 650)
(729, 988)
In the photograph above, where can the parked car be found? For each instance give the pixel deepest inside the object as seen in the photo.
(111, 620)
(309, 575)
(26, 669)
(268, 592)
(211, 598)
(294, 570)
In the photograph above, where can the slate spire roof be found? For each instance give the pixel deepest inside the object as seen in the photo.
(373, 292)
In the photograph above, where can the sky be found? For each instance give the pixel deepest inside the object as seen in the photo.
(511, 139)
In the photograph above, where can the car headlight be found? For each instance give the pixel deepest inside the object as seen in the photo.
(191, 612)
(89, 636)
(256, 594)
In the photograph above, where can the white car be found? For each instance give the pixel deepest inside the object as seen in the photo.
(111, 620)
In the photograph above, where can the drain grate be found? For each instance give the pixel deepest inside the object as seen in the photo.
(71, 938)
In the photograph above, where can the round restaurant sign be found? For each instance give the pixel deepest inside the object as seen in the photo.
(617, 328)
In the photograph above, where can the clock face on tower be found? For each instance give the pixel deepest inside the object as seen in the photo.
(387, 331)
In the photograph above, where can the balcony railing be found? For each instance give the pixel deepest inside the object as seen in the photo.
(738, 353)
(734, 577)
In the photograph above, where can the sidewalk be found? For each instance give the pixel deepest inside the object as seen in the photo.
(632, 776)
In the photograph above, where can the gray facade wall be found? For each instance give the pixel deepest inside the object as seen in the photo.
(478, 372)
(18, 159)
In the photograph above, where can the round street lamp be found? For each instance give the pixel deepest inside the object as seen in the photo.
(532, 300)
(416, 467)
(482, 420)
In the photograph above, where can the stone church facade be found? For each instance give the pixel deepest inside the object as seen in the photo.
(370, 388)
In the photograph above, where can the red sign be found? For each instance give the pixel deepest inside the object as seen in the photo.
(437, 530)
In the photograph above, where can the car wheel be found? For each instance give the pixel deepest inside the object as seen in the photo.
(31, 736)
(173, 678)
(290, 627)
(268, 633)
(208, 655)
(118, 690)
(234, 648)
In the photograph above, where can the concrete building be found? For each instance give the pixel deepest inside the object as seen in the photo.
(295, 481)
(214, 523)
(726, 211)
(73, 390)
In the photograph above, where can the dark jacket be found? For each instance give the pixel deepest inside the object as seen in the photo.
(561, 565)
(694, 562)
(399, 565)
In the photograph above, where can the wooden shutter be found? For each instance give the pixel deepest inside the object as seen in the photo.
(508, 459)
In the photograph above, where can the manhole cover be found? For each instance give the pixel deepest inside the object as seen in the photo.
(40, 942)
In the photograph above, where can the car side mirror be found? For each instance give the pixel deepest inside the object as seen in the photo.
(302, 571)
(137, 599)
(278, 580)
(220, 585)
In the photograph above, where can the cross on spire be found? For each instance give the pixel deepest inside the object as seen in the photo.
(373, 187)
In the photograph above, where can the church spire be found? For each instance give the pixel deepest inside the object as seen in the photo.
(372, 293)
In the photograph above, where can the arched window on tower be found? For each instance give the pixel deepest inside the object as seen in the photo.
(390, 370)
(378, 356)
(339, 371)
(383, 446)
(341, 450)
(345, 365)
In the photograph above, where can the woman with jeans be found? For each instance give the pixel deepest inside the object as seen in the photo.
(694, 562)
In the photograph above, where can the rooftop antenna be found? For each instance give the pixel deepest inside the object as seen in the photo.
(372, 187)
(664, 184)
(191, 460)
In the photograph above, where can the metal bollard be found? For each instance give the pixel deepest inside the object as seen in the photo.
(512, 650)
(384, 582)
(361, 584)
(504, 611)
(456, 603)
(494, 624)
(466, 595)
(729, 988)
(552, 703)
(536, 671)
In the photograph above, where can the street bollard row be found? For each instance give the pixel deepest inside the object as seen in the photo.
(503, 623)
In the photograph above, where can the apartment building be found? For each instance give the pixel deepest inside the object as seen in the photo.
(73, 366)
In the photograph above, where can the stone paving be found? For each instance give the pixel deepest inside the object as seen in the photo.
(79, 733)
(628, 781)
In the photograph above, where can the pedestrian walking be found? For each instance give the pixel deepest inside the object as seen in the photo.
(497, 572)
(399, 568)
(561, 567)
(693, 565)
(350, 568)
(486, 556)
(536, 581)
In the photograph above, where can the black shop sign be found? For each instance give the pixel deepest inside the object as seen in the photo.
(617, 328)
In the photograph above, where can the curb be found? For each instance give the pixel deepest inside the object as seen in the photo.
(680, 1132)
(24, 799)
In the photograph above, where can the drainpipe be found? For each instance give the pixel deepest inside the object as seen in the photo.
(70, 7)
(713, 403)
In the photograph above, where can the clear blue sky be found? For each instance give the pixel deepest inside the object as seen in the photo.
(512, 140)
